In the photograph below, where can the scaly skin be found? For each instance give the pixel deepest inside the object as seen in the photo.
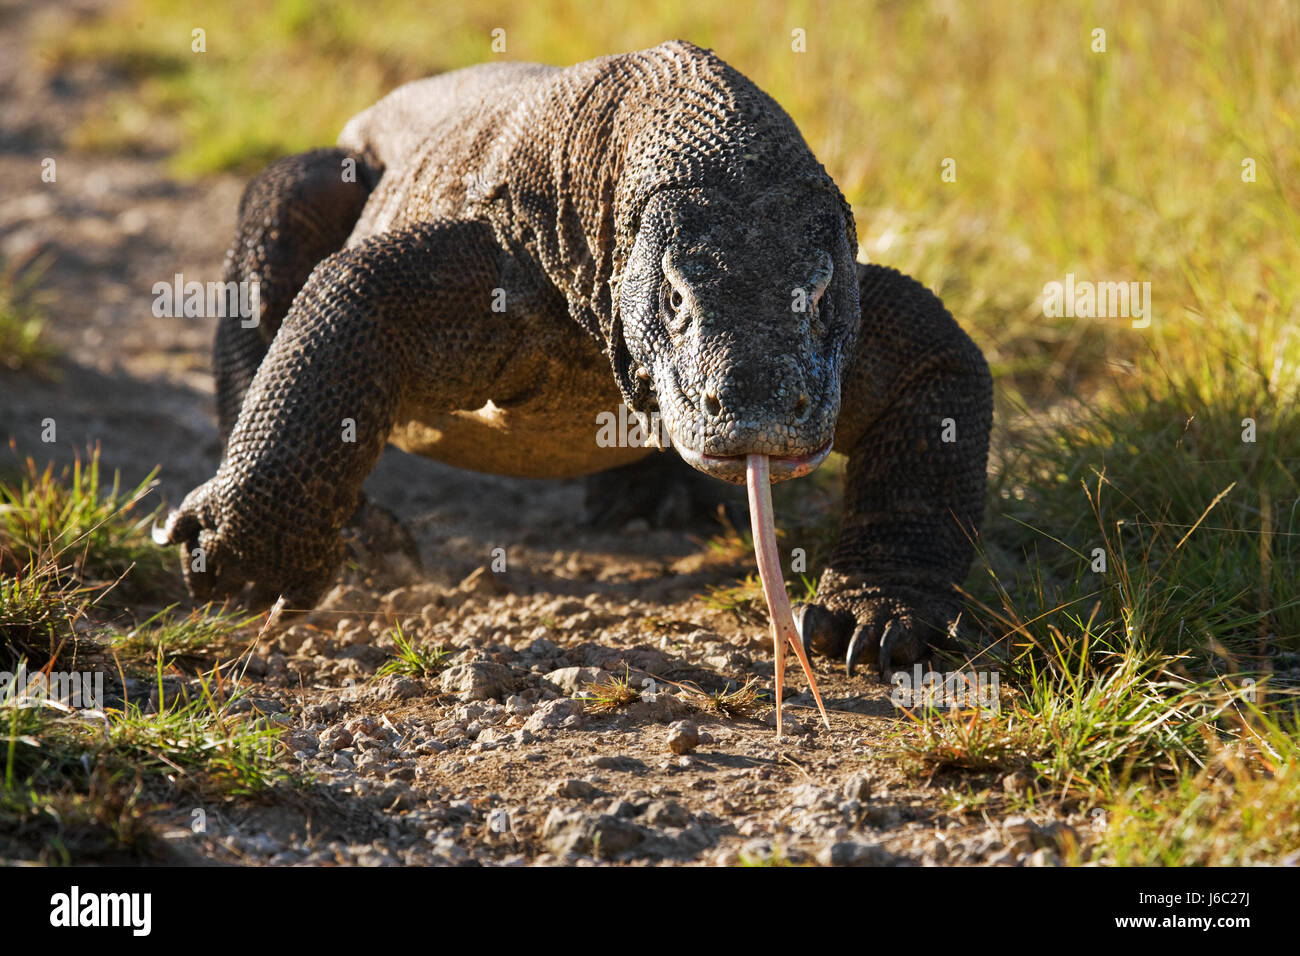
(524, 247)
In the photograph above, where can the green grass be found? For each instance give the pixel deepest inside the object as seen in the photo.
(76, 521)
(24, 346)
(1082, 722)
(1199, 529)
(76, 785)
(171, 638)
(1235, 812)
(609, 695)
(38, 615)
(412, 660)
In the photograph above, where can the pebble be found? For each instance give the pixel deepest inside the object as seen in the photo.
(858, 787)
(853, 853)
(477, 680)
(517, 705)
(667, 813)
(605, 835)
(554, 715)
(335, 738)
(397, 687)
(302, 740)
(572, 680)
(574, 789)
(683, 737)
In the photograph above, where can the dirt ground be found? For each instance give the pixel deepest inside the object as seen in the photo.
(491, 761)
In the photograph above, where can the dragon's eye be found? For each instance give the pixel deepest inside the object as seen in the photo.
(675, 300)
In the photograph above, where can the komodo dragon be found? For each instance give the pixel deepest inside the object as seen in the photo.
(492, 257)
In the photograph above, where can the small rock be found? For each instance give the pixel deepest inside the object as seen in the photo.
(622, 809)
(791, 725)
(667, 813)
(302, 740)
(858, 787)
(572, 680)
(292, 639)
(335, 738)
(554, 715)
(883, 817)
(663, 709)
(477, 680)
(346, 598)
(853, 853)
(683, 737)
(603, 834)
(574, 789)
(365, 726)
(484, 583)
(410, 600)
(397, 687)
(541, 647)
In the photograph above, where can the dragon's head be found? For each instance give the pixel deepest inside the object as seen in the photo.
(739, 314)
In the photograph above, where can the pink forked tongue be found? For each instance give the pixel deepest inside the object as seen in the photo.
(759, 482)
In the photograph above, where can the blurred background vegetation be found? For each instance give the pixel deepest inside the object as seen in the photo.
(1119, 165)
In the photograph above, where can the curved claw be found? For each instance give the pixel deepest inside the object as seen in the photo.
(889, 642)
(821, 630)
(864, 638)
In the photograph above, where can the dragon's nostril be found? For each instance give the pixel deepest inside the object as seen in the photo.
(712, 405)
(801, 403)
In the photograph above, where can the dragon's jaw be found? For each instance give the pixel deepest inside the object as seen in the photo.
(734, 468)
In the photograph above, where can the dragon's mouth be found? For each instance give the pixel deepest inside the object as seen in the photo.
(732, 467)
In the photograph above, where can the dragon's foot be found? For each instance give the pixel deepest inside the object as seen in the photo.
(880, 625)
(221, 557)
